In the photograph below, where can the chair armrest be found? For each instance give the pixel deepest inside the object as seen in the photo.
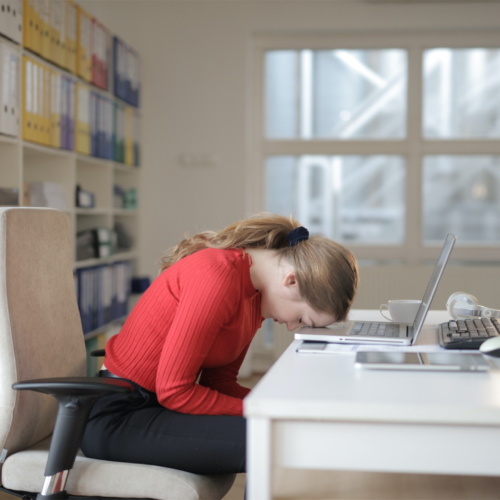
(75, 386)
(98, 353)
(76, 397)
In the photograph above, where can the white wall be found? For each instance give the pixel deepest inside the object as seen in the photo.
(195, 81)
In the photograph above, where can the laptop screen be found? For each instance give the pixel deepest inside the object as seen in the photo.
(433, 284)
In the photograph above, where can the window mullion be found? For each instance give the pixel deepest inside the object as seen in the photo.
(413, 240)
(334, 147)
(461, 147)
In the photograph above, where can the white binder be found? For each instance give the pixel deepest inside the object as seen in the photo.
(16, 21)
(3, 22)
(11, 19)
(9, 88)
(4, 88)
(14, 101)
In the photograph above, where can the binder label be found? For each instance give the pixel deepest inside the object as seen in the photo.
(35, 89)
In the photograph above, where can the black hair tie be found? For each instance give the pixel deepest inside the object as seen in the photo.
(297, 235)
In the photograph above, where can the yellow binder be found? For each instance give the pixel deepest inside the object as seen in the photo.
(28, 24)
(56, 18)
(82, 119)
(28, 130)
(83, 59)
(46, 106)
(70, 35)
(46, 31)
(61, 42)
(38, 28)
(35, 93)
(41, 104)
(55, 109)
(53, 30)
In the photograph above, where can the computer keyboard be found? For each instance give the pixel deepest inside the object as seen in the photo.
(376, 329)
(468, 333)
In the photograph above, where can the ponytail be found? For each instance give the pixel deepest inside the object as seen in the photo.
(327, 273)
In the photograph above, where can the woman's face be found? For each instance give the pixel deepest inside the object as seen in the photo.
(282, 302)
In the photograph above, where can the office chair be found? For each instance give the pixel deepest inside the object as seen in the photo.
(42, 354)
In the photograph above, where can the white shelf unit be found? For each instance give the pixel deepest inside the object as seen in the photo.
(23, 161)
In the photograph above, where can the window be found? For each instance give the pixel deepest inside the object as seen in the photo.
(347, 198)
(343, 94)
(384, 143)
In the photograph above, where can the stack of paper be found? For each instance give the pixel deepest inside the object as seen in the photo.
(47, 194)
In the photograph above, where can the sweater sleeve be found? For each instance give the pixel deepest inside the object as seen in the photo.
(207, 301)
(223, 379)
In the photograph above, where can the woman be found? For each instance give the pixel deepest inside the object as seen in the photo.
(185, 340)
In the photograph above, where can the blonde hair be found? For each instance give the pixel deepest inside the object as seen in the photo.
(327, 273)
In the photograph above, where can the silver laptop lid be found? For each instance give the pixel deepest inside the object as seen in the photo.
(414, 329)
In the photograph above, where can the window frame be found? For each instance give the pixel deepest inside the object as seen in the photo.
(413, 148)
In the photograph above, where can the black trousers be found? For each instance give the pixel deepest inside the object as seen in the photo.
(136, 428)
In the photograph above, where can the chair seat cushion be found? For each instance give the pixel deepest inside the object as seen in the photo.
(90, 477)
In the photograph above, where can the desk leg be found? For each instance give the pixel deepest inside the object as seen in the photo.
(259, 463)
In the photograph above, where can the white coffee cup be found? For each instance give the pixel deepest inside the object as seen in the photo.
(401, 311)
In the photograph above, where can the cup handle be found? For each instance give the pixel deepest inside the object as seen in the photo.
(382, 311)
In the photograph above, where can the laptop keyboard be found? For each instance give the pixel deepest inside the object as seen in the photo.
(376, 329)
(468, 333)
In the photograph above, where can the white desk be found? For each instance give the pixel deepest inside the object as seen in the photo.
(317, 411)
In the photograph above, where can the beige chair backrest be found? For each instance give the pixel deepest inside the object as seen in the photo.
(40, 329)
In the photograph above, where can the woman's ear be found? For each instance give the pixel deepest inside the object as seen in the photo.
(290, 279)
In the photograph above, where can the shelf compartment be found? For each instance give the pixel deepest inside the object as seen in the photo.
(96, 177)
(43, 165)
(126, 228)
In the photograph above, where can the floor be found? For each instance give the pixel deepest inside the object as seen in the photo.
(323, 485)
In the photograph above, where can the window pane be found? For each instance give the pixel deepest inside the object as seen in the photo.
(348, 198)
(461, 93)
(342, 94)
(461, 195)
(281, 94)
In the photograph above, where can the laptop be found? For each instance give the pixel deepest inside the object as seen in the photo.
(351, 332)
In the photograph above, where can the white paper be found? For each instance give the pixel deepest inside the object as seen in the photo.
(427, 342)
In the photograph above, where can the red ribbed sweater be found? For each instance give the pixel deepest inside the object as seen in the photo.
(197, 318)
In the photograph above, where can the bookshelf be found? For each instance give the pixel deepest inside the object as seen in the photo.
(23, 161)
